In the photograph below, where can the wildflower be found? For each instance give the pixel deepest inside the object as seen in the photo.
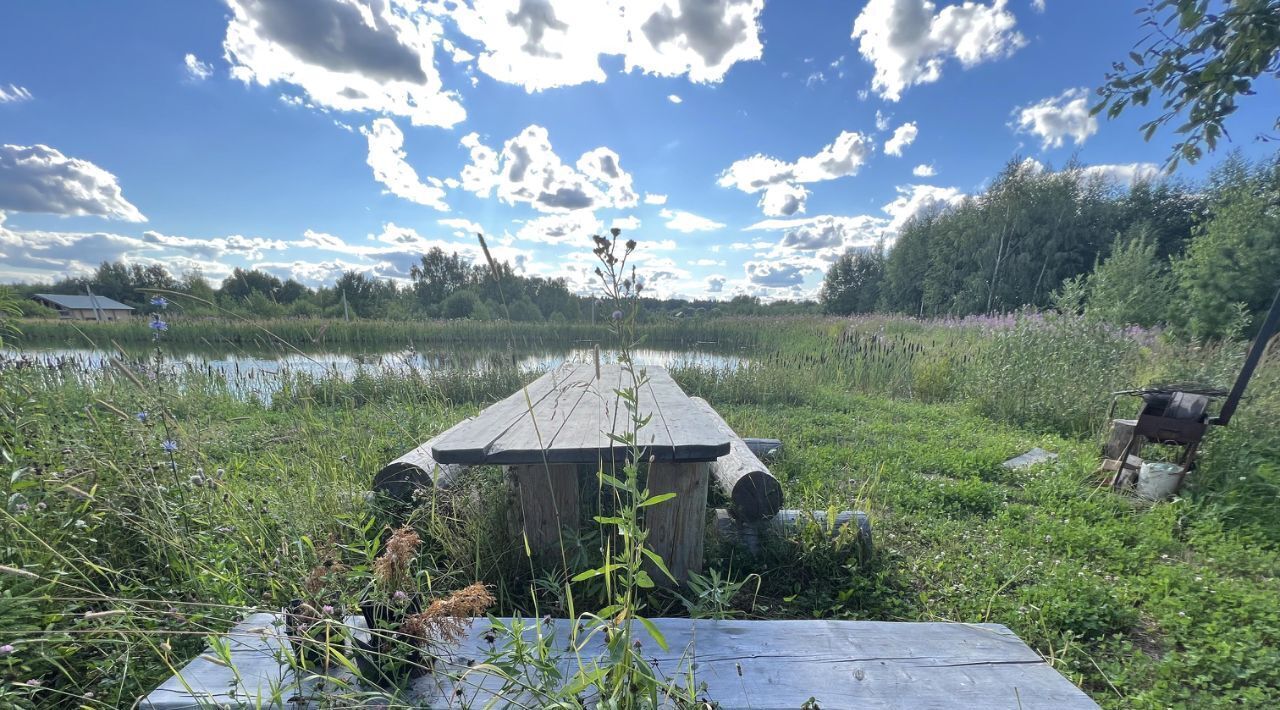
(196, 480)
(169, 445)
(617, 315)
(6, 649)
(327, 609)
(400, 596)
(159, 301)
(141, 416)
(165, 646)
(35, 682)
(158, 325)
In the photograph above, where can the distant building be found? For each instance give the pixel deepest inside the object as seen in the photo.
(84, 307)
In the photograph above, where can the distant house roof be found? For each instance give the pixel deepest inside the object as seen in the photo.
(87, 303)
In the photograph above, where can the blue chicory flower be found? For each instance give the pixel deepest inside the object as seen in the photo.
(141, 416)
(159, 301)
(169, 445)
(159, 325)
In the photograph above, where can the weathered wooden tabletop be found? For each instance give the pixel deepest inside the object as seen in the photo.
(567, 415)
(746, 665)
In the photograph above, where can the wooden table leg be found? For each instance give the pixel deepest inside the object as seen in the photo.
(548, 500)
(676, 527)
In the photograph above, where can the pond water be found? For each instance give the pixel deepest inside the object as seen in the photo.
(258, 370)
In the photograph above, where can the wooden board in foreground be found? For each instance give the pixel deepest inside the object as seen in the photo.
(761, 665)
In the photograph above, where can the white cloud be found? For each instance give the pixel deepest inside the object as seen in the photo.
(387, 158)
(654, 199)
(346, 56)
(1038, 5)
(715, 283)
(41, 179)
(908, 43)
(626, 224)
(1126, 173)
(882, 120)
(527, 170)
(779, 273)
(675, 99)
(707, 262)
(1058, 118)
(540, 44)
(780, 180)
(687, 222)
(924, 170)
(571, 228)
(783, 199)
(196, 69)
(461, 227)
(14, 94)
(903, 136)
(913, 199)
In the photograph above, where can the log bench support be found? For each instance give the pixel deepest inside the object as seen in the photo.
(548, 500)
(677, 526)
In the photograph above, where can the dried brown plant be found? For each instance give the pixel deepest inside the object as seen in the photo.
(447, 619)
(392, 566)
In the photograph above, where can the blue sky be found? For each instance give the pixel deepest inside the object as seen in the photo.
(744, 143)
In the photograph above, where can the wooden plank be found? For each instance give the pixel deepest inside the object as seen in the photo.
(694, 436)
(469, 443)
(756, 665)
(585, 436)
(677, 526)
(548, 499)
(536, 430)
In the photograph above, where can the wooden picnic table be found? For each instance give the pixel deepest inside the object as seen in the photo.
(569, 418)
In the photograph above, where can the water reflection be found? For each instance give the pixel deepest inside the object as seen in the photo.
(257, 371)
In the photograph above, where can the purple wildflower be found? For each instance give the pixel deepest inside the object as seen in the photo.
(327, 609)
(141, 416)
(6, 649)
(400, 596)
(159, 301)
(158, 325)
(169, 445)
(617, 315)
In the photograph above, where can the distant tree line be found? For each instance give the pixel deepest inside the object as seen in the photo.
(440, 285)
(1202, 259)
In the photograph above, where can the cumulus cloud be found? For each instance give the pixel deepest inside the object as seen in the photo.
(776, 273)
(196, 69)
(687, 222)
(1057, 118)
(370, 55)
(571, 228)
(540, 44)
(627, 223)
(41, 179)
(924, 170)
(715, 283)
(908, 43)
(781, 180)
(903, 136)
(13, 94)
(387, 158)
(461, 227)
(527, 170)
(654, 199)
(913, 199)
(1125, 173)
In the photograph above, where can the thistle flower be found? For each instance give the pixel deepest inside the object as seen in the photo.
(169, 445)
(327, 609)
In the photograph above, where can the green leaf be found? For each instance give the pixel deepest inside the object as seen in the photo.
(660, 498)
(654, 633)
(657, 562)
(643, 579)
